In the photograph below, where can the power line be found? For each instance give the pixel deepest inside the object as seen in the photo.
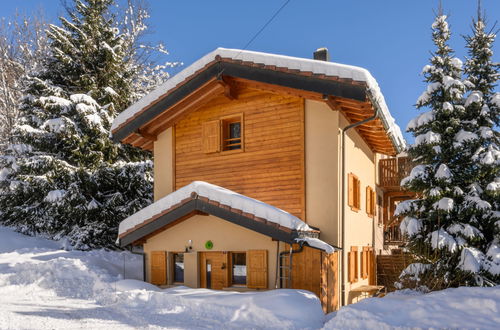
(265, 25)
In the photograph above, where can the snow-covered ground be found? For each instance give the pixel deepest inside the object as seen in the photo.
(456, 308)
(45, 287)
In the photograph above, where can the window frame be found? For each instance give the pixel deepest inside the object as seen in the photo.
(225, 121)
(232, 284)
(173, 254)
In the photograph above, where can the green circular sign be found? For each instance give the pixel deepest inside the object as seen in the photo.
(209, 245)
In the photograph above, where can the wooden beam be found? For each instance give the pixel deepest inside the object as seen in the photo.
(332, 102)
(187, 105)
(229, 87)
(142, 132)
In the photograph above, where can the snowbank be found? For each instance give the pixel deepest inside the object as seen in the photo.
(43, 286)
(457, 308)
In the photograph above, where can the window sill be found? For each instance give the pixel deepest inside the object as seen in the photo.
(354, 209)
(230, 152)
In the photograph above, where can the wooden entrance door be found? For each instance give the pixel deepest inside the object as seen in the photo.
(214, 270)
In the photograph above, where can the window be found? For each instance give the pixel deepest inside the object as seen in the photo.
(354, 188)
(239, 268)
(231, 133)
(370, 201)
(352, 258)
(222, 135)
(178, 260)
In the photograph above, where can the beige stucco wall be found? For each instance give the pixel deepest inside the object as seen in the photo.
(225, 236)
(322, 157)
(359, 227)
(163, 164)
(323, 183)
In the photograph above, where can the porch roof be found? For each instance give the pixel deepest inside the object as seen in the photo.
(204, 198)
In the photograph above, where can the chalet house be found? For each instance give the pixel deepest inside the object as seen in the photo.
(266, 175)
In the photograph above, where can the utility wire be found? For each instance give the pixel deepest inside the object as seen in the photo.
(256, 34)
(264, 26)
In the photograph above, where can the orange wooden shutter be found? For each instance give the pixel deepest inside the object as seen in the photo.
(358, 194)
(364, 262)
(211, 136)
(372, 278)
(368, 203)
(350, 184)
(257, 269)
(158, 267)
(353, 264)
(374, 204)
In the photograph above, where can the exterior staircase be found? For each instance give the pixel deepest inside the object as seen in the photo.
(389, 267)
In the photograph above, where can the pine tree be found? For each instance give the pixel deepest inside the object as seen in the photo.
(436, 176)
(453, 224)
(64, 176)
(480, 142)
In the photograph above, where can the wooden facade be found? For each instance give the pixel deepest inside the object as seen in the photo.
(270, 167)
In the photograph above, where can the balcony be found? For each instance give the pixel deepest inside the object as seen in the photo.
(392, 171)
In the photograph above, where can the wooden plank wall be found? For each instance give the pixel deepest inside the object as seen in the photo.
(330, 282)
(306, 270)
(271, 167)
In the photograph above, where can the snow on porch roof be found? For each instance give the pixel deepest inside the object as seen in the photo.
(329, 69)
(281, 223)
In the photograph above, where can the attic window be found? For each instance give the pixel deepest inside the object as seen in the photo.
(232, 133)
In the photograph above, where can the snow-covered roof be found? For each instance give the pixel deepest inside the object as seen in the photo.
(227, 198)
(281, 61)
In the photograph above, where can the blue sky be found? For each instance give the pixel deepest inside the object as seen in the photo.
(390, 38)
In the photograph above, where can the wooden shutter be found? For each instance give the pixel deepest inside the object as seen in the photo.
(257, 269)
(368, 203)
(350, 185)
(352, 258)
(211, 136)
(365, 262)
(372, 278)
(358, 193)
(158, 267)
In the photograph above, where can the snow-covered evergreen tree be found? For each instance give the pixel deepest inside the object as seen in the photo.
(64, 176)
(451, 222)
(23, 45)
(435, 176)
(480, 143)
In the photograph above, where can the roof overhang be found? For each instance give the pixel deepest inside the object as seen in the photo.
(141, 123)
(199, 205)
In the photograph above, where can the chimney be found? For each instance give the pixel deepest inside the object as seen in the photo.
(321, 54)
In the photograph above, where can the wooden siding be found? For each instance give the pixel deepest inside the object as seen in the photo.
(306, 270)
(271, 167)
(330, 282)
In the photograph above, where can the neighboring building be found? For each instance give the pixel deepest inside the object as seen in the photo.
(269, 128)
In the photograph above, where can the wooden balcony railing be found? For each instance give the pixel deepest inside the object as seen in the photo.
(393, 236)
(393, 170)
